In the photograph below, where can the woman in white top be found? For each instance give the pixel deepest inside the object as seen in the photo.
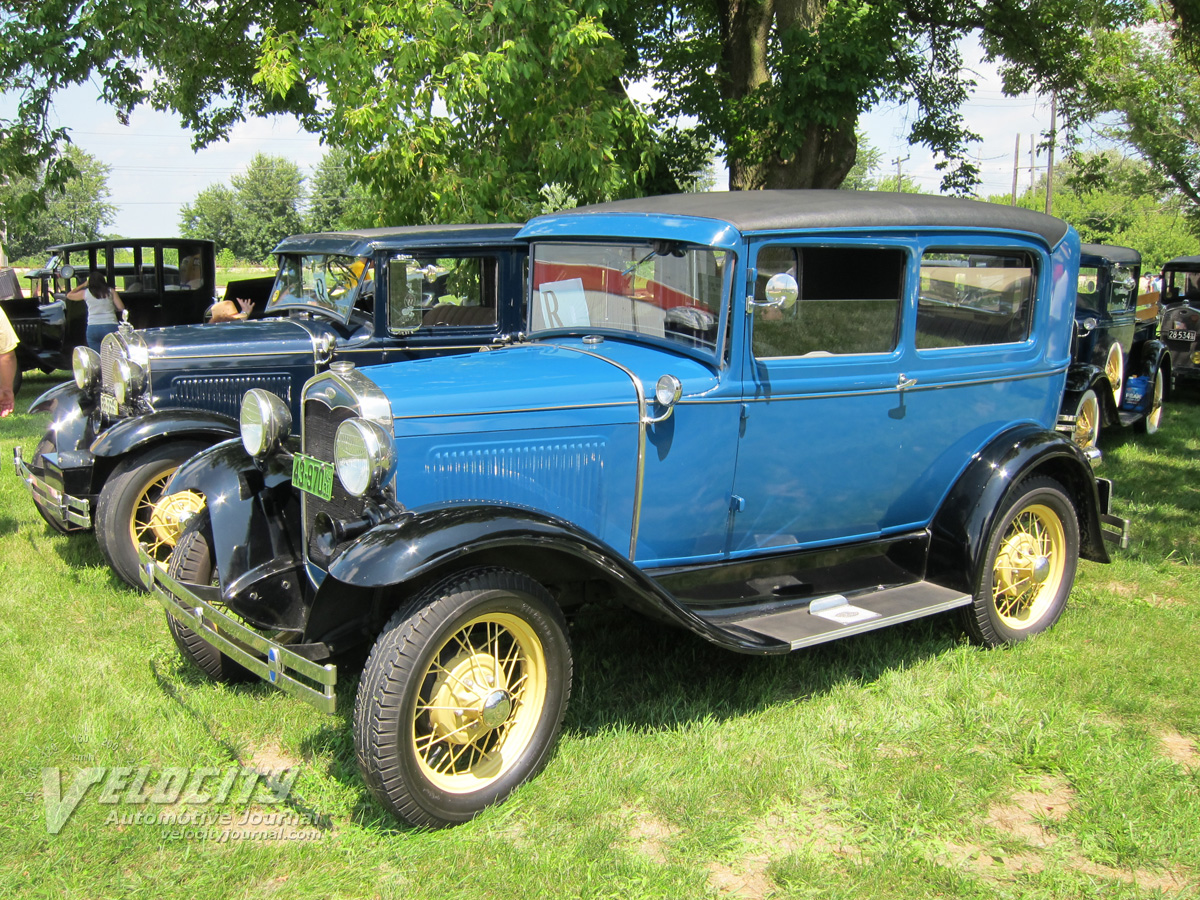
(103, 304)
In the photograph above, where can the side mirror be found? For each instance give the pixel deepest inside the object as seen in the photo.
(782, 292)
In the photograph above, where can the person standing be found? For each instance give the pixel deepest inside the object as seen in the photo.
(8, 365)
(103, 304)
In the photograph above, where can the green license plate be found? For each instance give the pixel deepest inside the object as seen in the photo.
(108, 405)
(314, 476)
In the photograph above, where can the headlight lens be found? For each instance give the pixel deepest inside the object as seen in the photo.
(85, 366)
(130, 381)
(265, 421)
(364, 456)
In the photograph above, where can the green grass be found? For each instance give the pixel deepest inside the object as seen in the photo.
(905, 763)
(226, 275)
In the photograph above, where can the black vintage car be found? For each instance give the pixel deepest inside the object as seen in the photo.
(152, 399)
(1181, 317)
(1120, 371)
(162, 281)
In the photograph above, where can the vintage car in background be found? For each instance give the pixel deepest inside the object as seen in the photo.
(1180, 318)
(162, 281)
(1121, 371)
(738, 412)
(153, 398)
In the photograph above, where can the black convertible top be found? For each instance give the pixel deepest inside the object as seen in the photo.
(1112, 253)
(779, 210)
(1183, 262)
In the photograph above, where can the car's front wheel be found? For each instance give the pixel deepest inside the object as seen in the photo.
(1153, 419)
(1029, 565)
(1087, 420)
(128, 511)
(462, 697)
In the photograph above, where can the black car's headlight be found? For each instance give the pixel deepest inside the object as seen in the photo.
(130, 381)
(265, 422)
(85, 366)
(364, 456)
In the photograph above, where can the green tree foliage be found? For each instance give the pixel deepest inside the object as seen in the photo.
(250, 217)
(77, 210)
(336, 201)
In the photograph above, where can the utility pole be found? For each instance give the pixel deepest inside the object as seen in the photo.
(1032, 160)
(899, 173)
(1050, 159)
(1016, 167)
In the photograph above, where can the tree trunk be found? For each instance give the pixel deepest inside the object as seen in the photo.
(826, 154)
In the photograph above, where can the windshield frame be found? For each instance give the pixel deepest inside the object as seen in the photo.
(645, 252)
(338, 309)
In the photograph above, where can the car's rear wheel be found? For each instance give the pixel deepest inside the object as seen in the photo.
(45, 445)
(1153, 419)
(192, 563)
(1029, 565)
(128, 510)
(1114, 369)
(1087, 420)
(462, 697)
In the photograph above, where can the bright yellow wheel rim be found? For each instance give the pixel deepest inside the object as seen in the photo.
(1114, 370)
(158, 524)
(1085, 422)
(1029, 567)
(479, 703)
(1156, 402)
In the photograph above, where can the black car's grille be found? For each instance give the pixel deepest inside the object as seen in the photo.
(223, 393)
(27, 332)
(110, 352)
(320, 427)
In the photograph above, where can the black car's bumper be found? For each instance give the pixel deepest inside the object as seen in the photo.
(61, 486)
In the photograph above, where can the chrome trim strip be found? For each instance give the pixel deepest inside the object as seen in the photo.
(72, 510)
(504, 412)
(882, 622)
(208, 623)
(641, 441)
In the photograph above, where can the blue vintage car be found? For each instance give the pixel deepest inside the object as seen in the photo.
(1121, 371)
(153, 398)
(773, 418)
(1180, 326)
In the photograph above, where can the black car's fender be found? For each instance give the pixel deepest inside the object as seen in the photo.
(1152, 356)
(960, 529)
(254, 518)
(396, 559)
(141, 431)
(70, 413)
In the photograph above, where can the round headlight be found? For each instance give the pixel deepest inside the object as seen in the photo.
(85, 366)
(130, 381)
(265, 421)
(668, 390)
(363, 455)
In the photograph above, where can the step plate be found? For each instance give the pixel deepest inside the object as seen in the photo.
(829, 619)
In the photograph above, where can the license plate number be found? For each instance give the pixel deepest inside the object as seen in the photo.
(1175, 334)
(313, 476)
(108, 405)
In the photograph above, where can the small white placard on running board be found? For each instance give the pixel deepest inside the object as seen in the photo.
(846, 614)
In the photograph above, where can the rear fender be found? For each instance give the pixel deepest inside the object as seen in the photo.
(254, 517)
(397, 559)
(961, 527)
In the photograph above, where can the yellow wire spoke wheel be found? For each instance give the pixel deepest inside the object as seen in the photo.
(1028, 572)
(1114, 369)
(1087, 420)
(480, 702)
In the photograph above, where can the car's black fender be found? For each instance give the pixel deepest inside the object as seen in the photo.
(70, 416)
(137, 432)
(1082, 377)
(960, 530)
(398, 558)
(1152, 356)
(254, 519)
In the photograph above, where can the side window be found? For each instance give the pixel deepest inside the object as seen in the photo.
(971, 299)
(1085, 294)
(849, 302)
(1124, 288)
(441, 292)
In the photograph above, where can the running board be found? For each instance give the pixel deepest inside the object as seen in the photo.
(837, 616)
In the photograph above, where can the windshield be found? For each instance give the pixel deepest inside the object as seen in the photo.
(663, 289)
(320, 281)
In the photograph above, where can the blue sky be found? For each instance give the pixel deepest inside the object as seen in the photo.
(154, 170)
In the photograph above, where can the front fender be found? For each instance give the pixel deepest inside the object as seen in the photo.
(425, 544)
(255, 522)
(70, 410)
(139, 431)
(961, 527)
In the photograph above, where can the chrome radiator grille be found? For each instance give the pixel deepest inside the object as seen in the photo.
(110, 351)
(320, 427)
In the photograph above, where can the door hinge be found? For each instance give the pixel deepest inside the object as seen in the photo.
(737, 504)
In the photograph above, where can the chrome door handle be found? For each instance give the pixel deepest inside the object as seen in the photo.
(903, 382)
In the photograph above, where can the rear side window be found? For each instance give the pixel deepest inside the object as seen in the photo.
(971, 299)
(849, 301)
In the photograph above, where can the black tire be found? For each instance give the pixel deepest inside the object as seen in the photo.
(433, 649)
(125, 507)
(18, 378)
(45, 445)
(1150, 423)
(192, 562)
(1028, 568)
(1087, 420)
